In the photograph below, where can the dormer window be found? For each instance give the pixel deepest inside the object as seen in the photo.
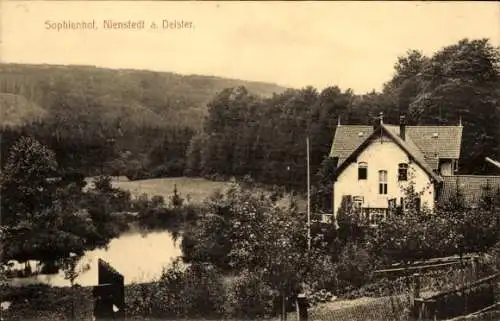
(403, 172)
(362, 170)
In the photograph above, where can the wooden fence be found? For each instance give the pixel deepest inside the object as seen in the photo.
(466, 299)
(426, 265)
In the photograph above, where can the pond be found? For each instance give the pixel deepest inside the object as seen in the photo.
(139, 257)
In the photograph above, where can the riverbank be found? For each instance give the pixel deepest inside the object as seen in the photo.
(46, 303)
(138, 254)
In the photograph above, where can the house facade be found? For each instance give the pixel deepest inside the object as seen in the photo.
(375, 164)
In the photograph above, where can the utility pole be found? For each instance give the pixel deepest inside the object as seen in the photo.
(308, 198)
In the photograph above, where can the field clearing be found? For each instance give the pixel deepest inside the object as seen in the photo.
(193, 190)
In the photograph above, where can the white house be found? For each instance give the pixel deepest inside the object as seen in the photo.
(375, 163)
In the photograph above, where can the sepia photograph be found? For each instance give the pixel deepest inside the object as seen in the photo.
(258, 161)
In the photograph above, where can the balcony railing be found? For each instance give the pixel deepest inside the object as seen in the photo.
(322, 218)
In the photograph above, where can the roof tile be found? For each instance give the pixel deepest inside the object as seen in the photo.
(471, 187)
(430, 143)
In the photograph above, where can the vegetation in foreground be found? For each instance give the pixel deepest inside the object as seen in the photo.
(238, 231)
(241, 232)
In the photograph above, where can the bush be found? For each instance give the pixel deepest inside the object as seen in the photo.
(206, 240)
(250, 297)
(139, 298)
(494, 254)
(182, 292)
(320, 296)
(42, 302)
(173, 168)
(354, 268)
(154, 216)
(322, 274)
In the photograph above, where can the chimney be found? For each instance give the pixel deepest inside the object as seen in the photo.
(402, 127)
(378, 121)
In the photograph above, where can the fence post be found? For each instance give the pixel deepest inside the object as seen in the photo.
(301, 304)
(416, 285)
(474, 268)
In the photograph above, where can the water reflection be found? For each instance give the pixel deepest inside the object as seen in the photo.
(139, 257)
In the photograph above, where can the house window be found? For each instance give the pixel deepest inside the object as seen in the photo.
(408, 204)
(374, 216)
(403, 172)
(362, 170)
(417, 204)
(382, 182)
(358, 202)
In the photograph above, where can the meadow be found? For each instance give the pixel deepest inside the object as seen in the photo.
(193, 190)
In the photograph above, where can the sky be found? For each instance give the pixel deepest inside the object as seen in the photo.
(295, 44)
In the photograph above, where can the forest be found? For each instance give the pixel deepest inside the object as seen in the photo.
(145, 124)
(62, 124)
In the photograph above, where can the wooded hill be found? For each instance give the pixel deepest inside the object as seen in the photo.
(131, 96)
(97, 119)
(149, 124)
(245, 134)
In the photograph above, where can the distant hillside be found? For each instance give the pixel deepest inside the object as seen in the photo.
(128, 96)
(17, 110)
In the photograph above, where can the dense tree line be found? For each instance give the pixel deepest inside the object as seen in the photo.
(48, 217)
(94, 147)
(130, 125)
(99, 120)
(265, 137)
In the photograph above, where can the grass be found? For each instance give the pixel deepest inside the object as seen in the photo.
(360, 309)
(193, 190)
(49, 303)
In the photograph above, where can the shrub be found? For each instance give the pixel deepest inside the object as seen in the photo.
(182, 292)
(139, 298)
(42, 302)
(250, 297)
(495, 256)
(206, 240)
(354, 268)
(322, 273)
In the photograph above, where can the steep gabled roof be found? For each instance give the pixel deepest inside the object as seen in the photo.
(430, 142)
(347, 139)
(446, 144)
(407, 145)
(470, 187)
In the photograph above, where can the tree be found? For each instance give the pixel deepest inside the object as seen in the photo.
(413, 232)
(453, 229)
(322, 193)
(47, 217)
(461, 81)
(176, 200)
(25, 181)
(249, 232)
(406, 83)
(71, 273)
